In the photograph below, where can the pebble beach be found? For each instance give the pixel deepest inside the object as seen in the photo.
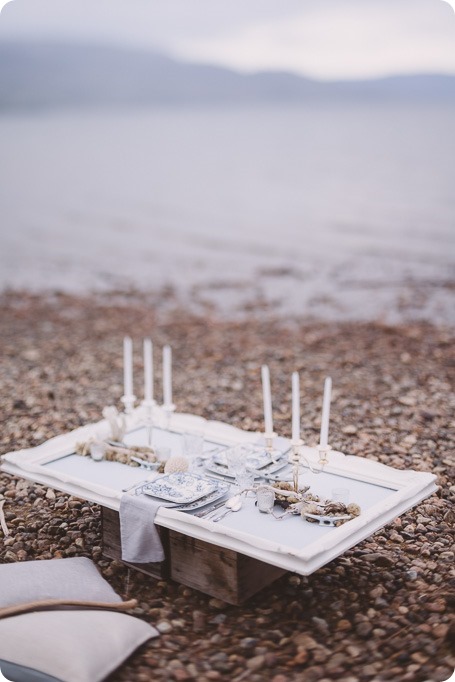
(382, 611)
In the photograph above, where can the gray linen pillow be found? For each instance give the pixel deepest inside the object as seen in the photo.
(19, 673)
(70, 646)
(72, 579)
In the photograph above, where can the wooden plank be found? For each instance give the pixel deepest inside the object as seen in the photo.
(221, 573)
(205, 567)
(253, 575)
(112, 545)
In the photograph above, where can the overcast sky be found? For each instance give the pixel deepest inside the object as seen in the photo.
(320, 38)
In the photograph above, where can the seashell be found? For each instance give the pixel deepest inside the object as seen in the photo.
(353, 509)
(333, 508)
(283, 485)
(311, 497)
(176, 464)
(293, 500)
(310, 509)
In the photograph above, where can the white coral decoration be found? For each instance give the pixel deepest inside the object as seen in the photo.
(175, 465)
(116, 421)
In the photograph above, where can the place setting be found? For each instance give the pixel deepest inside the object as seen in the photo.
(186, 490)
(229, 462)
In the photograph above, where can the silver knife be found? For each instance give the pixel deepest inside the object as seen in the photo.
(211, 509)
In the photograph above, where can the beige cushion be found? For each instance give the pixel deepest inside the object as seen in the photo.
(71, 579)
(71, 646)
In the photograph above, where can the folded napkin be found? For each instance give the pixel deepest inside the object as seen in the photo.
(141, 543)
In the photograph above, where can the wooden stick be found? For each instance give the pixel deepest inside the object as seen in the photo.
(3, 520)
(51, 603)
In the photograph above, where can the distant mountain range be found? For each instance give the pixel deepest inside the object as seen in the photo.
(49, 74)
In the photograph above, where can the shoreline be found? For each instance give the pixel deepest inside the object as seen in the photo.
(167, 300)
(379, 612)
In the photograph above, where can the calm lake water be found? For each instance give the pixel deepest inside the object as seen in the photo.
(339, 212)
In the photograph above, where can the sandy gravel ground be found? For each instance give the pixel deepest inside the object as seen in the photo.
(383, 611)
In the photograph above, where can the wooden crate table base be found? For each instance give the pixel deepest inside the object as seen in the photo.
(222, 573)
(219, 572)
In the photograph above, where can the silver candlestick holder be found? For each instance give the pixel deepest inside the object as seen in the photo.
(128, 402)
(148, 406)
(323, 455)
(269, 438)
(168, 409)
(295, 461)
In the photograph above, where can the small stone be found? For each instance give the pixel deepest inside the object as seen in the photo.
(364, 629)
(377, 592)
(305, 641)
(163, 626)
(320, 624)
(255, 663)
(336, 661)
(440, 630)
(438, 606)
(217, 604)
(320, 655)
(178, 623)
(353, 651)
(301, 657)
(198, 621)
(349, 430)
(379, 559)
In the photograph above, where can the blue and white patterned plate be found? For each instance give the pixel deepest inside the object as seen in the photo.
(221, 490)
(255, 458)
(180, 487)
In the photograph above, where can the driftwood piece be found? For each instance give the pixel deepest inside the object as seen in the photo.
(2, 519)
(53, 603)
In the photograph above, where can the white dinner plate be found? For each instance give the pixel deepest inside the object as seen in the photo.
(265, 471)
(255, 458)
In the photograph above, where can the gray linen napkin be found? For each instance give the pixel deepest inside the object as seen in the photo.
(141, 543)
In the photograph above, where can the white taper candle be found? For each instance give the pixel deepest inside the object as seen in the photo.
(167, 375)
(295, 407)
(127, 366)
(324, 438)
(267, 398)
(148, 370)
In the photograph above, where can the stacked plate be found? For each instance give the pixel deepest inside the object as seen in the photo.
(257, 460)
(186, 490)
